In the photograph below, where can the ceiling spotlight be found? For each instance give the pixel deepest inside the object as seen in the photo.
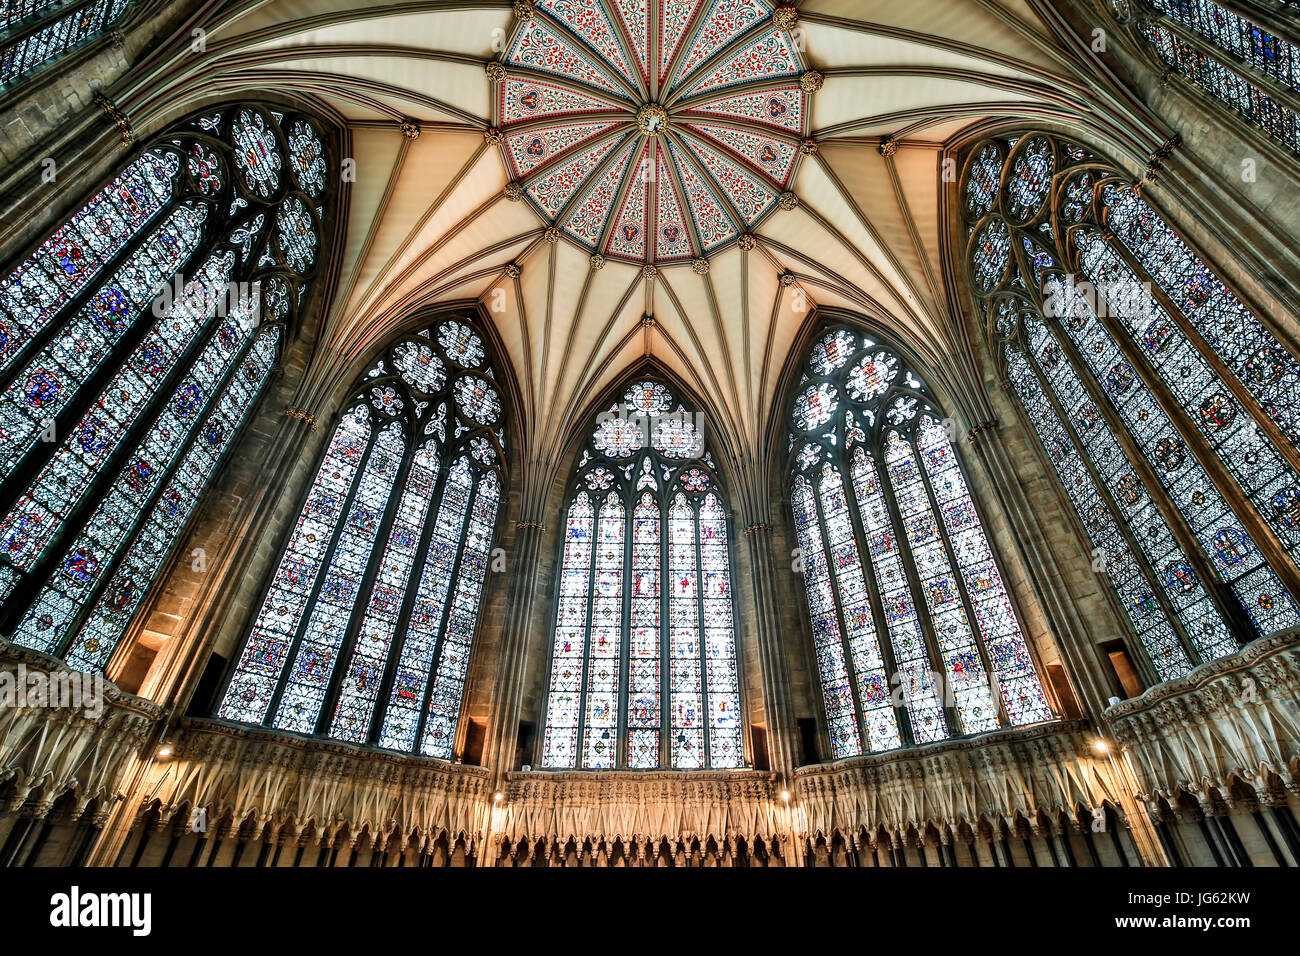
(785, 795)
(165, 750)
(497, 796)
(1101, 747)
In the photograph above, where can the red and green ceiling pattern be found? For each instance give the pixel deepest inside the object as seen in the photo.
(651, 130)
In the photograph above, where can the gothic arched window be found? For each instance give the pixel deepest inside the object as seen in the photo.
(915, 636)
(365, 630)
(1239, 62)
(134, 344)
(34, 32)
(1168, 409)
(644, 673)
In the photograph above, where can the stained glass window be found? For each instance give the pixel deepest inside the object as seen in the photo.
(915, 636)
(1165, 405)
(135, 343)
(1242, 64)
(42, 30)
(643, 664)
(365, 630)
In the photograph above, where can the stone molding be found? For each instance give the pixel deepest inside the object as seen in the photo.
(979, 781)
(240, 773)
(1236, 717)
(47, 753)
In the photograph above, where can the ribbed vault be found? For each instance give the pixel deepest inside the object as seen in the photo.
(429, 218)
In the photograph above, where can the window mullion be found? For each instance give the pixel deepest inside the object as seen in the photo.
(884, 636)
(1122, 525)
(624, 684)
(1215, 586)
(1240, 503)
(403, 619)
(700, 633)
(445, 616)
(665, 636)
(850, 665)
(327, 559)
(361, 604)
(955, 567)
(597, 514)
(908, 560)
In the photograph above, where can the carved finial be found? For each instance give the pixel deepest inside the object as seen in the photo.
(888, 147)
(700, 266)
(647, 321)
(410, 129)
(117, 116)
(514, 191)
(513, 270)
(808, 146)
(649, 272)
(496, 72)
(785, 16)
(747, 241)
(523, 10)
(787, 278)
(551, 235)
(298, 413)
(494, 136)
(811, 81)
(597, 262)
(787, 200)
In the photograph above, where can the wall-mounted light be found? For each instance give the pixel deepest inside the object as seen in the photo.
(1101, 746)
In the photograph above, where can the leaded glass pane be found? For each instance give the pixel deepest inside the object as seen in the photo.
(1149, 365)
(918, 530)
(721, 679)
(1003, 641)
(398, 562)
(80, 24)
(644, 705)
(564, 700)
(604, 641)
(266, 650)
(670, 697)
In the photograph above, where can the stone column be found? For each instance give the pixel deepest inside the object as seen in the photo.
(521, 603)
(781, 742)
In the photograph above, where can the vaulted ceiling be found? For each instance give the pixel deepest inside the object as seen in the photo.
(449, 215)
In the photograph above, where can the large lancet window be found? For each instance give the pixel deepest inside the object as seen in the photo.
(1243, 64)
(643, 668)
(1169, 410)
(365, 630)
(134, 344)
(34, 32)
(915, 636)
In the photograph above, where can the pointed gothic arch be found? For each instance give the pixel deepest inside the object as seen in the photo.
(646, 675)
(135, 342)
(367, 624)
(1164, 402)
(929, 644)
